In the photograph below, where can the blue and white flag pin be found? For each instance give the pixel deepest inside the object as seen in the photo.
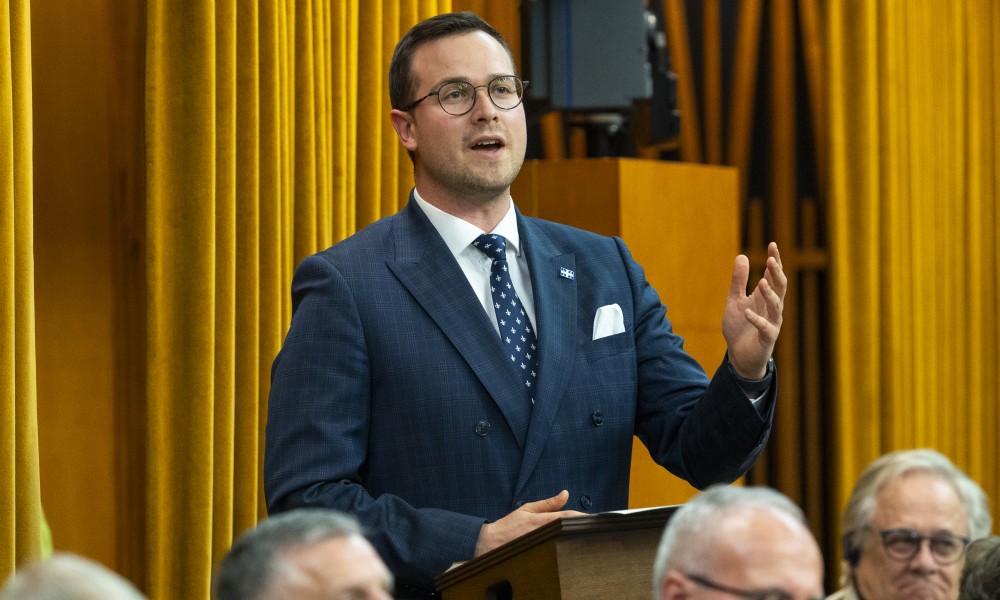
(567, 273)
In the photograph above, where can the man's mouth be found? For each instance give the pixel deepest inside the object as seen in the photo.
(488, 144)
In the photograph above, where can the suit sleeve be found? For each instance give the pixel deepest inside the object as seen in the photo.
(317, 433)
(702, 431)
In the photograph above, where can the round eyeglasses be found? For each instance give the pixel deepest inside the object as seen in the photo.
(904, 544)
(761, 594)
(458, 97)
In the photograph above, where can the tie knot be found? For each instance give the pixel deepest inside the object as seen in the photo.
(492, 245)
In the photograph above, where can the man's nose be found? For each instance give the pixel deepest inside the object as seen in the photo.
(924, 559)
(484, 107)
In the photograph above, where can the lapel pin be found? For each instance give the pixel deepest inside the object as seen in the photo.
(567, 273)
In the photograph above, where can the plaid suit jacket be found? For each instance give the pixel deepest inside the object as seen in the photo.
(390, 399)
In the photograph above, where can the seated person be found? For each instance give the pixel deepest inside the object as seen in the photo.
(981, 574)
(66, 576)
(738, 542)
(909, 519)
(304, 554)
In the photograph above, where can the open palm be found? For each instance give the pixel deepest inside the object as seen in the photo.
(751, 323)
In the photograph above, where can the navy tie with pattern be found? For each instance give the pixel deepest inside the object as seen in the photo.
(515, 327)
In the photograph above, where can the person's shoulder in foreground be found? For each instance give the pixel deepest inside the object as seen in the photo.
(304, 554)
(908, 521)
(66, 576)
(746, 542)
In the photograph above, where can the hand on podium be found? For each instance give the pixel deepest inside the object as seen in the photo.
(527, 518)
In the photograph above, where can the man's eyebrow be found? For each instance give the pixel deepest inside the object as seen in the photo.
(458, 79)
(447, 80)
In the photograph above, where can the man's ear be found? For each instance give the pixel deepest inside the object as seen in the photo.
(674, 587)
(405, 128)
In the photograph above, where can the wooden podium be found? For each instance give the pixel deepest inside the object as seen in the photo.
(681, 223)
(609, 555)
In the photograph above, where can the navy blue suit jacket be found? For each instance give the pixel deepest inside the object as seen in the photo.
(391, 399)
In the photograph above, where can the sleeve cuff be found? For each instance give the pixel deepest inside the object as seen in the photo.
(753, 388)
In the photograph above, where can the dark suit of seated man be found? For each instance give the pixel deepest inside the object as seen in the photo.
(400, 395)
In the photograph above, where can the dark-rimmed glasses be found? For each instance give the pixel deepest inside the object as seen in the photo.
(458, 97)
(903, 544)
(761, 594)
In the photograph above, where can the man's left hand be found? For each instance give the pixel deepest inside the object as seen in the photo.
(751, 323)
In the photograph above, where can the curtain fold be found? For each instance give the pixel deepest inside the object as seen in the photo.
(913, 218)
(250, 326)
(21, 520)
(181, 198)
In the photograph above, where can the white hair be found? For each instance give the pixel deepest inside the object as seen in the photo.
(65, 576)
(892, 466)
(695, 522)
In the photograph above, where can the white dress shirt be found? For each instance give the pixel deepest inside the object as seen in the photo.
(459, 235)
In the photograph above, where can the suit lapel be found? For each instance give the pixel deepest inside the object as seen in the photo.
(426, 267)
(555, 311)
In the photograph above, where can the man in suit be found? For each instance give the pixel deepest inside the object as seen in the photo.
(738, 542)
(394, 396)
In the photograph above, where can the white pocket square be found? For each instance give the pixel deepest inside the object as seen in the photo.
(608, 321)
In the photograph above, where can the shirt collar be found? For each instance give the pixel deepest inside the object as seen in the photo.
(459, 234)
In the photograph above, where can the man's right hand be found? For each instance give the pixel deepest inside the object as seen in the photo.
(527, 518)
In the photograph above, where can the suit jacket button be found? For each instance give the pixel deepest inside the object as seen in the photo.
(586, 502)
(597, 417)
(482, 428)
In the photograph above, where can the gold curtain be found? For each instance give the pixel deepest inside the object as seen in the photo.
(267, 139)
(21, 522)
(915, 87)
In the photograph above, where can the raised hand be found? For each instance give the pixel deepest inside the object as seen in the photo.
(751, 323)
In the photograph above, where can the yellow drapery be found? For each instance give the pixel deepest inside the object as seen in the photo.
(267, 139)
(913, 223)
(21, 522)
